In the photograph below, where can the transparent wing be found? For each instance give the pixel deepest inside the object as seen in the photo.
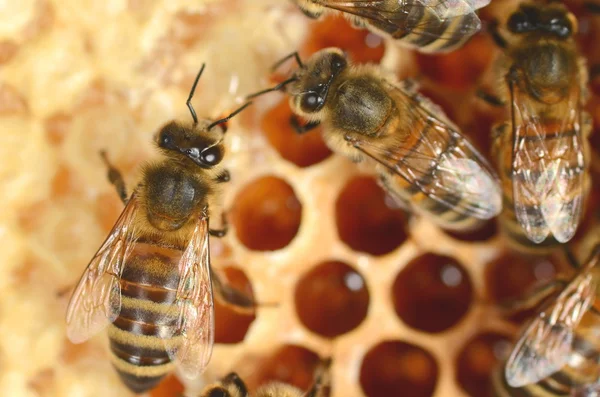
(420, 17)
(194, 302)
(96, 301)
(547, 167)
(442, 163)
(545, 345)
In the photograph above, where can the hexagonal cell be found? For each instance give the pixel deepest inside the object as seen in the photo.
(168, 387)
(336, 31)
(301, 149)
(365, 222)
(266, 214)
(232, 323)
(331, 299)
(436, 285)
(459, 69)
(290, 364)
(511, 275)
(396, 368)
(475, 363)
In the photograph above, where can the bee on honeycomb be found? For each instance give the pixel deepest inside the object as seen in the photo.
(402, 306)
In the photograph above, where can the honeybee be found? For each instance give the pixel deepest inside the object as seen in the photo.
(233, 386)
(151, 282)
(427, 25)
(558, 352)
(542, 150)
(422, 158)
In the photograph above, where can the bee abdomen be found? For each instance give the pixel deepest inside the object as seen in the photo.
(144, 330)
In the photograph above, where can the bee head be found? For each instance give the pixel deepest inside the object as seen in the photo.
(313, 80)
(197, 143)
(551, 19)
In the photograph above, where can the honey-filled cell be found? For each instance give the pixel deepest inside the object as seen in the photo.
(303, 149)
(432, 293)
(231, 322)
(331, 299)
(291, 364)
(336, 31)
(266, 214)
(397, 368)
(480, 356)
(365, 221)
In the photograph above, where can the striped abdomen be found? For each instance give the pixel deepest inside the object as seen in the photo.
(418, 26)
(418, 144)
(560, 163)
(583, 368)
(144, 326)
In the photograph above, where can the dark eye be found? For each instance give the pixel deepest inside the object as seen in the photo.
(560, 27)
(519, 22)
(165, 141)
(338, 63)
(311, 102)
(211, 155)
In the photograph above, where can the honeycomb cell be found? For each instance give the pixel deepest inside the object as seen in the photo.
(335, 31)
(483, 233)
(510, 275)
(480, 356)
(365, 221)
(432, 293)
(266, 214)
(301, 149)
(290, 364)
(168, 387)
(231, 322)
(459, 69)
(331, 299)
(396, 368)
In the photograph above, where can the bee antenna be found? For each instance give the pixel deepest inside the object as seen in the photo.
(226, 119)
(276, 88)
(189, 100)
(294, 55)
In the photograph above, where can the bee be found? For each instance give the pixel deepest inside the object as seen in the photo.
(422, 159)
(558, 352)
(233, 386)
(542, 150)
(427, 25)
(151, 282)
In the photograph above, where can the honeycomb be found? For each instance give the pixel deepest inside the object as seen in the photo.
(338, 270)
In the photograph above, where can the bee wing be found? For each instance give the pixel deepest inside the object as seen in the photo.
(442, 163)
(96, 301)
(547, 167)
(545, 345)
(194, 327)
(420, 17)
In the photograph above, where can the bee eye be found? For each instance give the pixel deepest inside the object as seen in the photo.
(338, 63)
(211, 156)
(519, 23)
(165, 141)
(311, 102)
(560, 27)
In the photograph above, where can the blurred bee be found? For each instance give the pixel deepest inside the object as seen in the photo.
(427, 25)
(542, 149)
(233, 386)
(558, 352)
(151, 282)
(422, 159)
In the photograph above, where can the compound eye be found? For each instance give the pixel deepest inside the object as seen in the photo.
(519, 22)
(338, 63)
(211, 156)
(311, 102)
(561, 27)
(165, 140)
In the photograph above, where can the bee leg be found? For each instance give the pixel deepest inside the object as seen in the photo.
(321, 379)
(301, 129)
(495, 34)
(223, 177)
(234, 380)
(533, 297)
(220, 232)
(489, 98)
(115, 178)
(216, 391)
